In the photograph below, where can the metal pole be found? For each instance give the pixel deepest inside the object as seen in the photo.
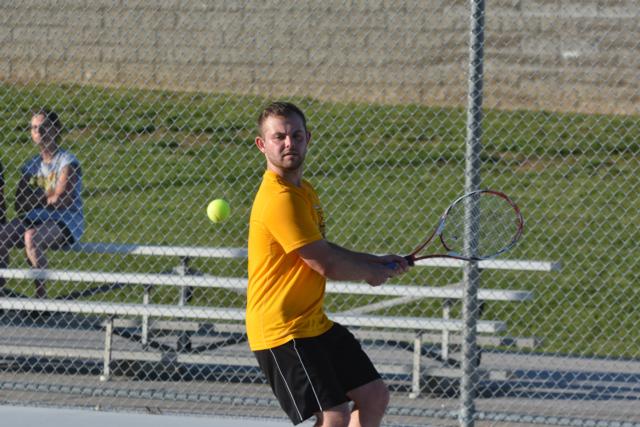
(472, 182)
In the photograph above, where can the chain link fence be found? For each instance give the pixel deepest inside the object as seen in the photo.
(158, 102)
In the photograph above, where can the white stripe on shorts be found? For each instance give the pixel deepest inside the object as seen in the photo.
(308, 378)
(287, 385)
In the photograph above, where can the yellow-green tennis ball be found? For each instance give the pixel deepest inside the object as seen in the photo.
(218, 210)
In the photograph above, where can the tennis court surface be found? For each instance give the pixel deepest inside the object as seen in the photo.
(19, 416)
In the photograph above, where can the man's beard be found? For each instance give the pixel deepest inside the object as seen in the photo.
(292, 165)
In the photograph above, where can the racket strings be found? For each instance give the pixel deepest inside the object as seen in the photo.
(490, 221)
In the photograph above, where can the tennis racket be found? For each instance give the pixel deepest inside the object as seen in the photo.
(476, 226)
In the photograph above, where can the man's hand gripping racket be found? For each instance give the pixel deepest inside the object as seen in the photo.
(477, 226)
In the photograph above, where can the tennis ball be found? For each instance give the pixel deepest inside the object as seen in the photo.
(218, 210)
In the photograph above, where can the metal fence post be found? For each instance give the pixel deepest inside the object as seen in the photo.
(472, 182)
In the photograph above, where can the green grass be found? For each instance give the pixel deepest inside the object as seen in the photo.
(153, 159)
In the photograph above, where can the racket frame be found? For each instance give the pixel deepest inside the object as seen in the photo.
(437, 232)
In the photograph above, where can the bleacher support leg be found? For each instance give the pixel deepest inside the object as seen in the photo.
(108, 341)
(446, 314)
(144, 339)
(416, 375)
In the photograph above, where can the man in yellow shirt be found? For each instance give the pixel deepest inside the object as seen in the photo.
(314, 366)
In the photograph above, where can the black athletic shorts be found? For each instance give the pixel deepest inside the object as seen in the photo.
(310, 375)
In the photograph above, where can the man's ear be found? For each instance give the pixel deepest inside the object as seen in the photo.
(260, 143)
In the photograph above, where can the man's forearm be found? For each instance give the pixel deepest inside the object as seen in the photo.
(360, 256)
(339, 263)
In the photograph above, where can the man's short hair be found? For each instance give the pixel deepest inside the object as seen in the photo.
(281, 109)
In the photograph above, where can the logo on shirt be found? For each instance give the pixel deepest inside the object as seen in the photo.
(320, 218)
(46, 182)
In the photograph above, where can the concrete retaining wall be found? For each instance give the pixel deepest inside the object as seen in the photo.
(574, 55)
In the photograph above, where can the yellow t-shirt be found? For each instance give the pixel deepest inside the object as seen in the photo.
(285, 296)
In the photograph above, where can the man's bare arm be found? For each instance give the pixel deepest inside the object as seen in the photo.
(338, 263)
(61, 196)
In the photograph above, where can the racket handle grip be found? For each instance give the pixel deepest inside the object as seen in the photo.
(409, 259)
